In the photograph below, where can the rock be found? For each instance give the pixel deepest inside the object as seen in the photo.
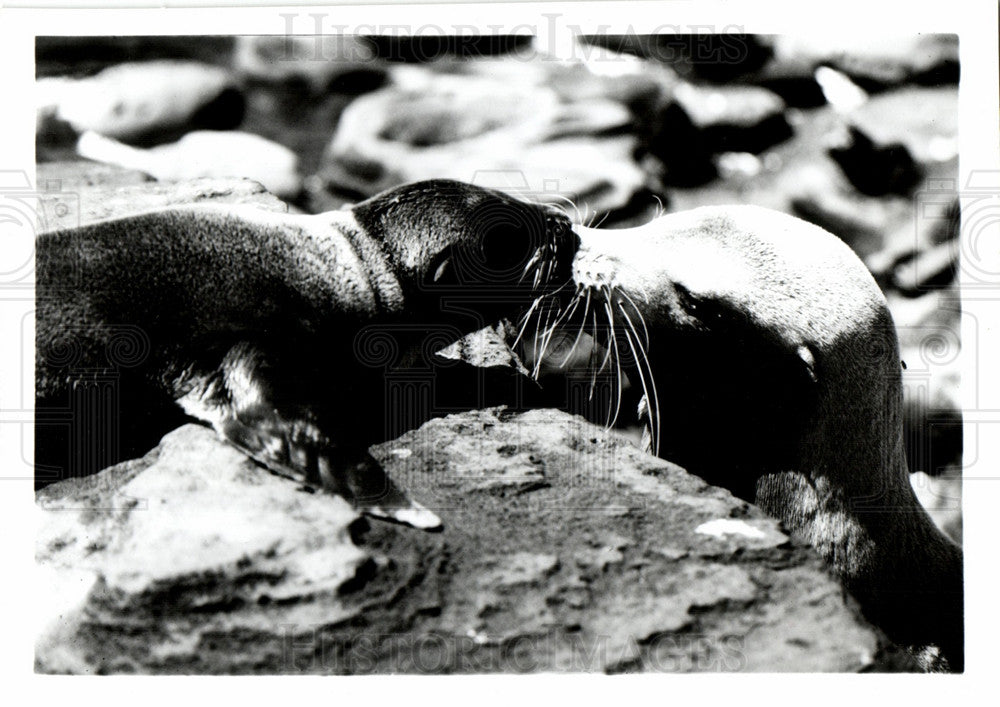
(435, 47)
(923, 120)
(930, 59)
(341, 63)
(932, 269)
(895, 138)
(204, 153)
(697, 122)
(139, 101)
(877, 170)
(180, 560)
(68, 208)
(78, 175)
(715, 57)
(194, 560)
(480, 129)
(84, 55)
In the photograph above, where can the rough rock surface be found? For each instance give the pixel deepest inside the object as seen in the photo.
(74, 194)
(564, 549)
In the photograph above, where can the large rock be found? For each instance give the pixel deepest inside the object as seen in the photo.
(78, 193)
(205, 154)
(141, 100)
(564, 549)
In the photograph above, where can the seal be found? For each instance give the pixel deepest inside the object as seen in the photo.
(769, 365)
(261, 324)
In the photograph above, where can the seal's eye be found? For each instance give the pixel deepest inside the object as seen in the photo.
(507, 247)
(505, 241)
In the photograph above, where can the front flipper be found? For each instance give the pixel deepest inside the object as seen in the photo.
(239, 404)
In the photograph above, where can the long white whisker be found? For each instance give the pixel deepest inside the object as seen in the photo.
(590, 358)
(642, 319)
(539, 353)
(531, 263)
(586, 310)
(527, 320)
(646, 370)
(618, 366)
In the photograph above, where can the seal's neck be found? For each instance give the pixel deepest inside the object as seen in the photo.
(904, 572)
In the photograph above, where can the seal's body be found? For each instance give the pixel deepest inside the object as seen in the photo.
(770, 366)
(256, 323)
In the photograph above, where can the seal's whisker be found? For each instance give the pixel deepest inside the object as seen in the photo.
(539, 353)
(549, 333)
(590, 358)
(535, 258)
(660, 208)
(638, 313)
(648, 382)
(579, 333)
(526, 321)
(617, 381)
(603, 218)
(572, 205)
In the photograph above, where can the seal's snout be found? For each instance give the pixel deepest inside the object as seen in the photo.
(593, 266)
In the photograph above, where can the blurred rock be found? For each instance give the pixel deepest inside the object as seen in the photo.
(714, 57)
(213, 154)
(420, 49)
(697, 122)
(932, 269)
(139, 101)
(877, 170)
(340, 63)
(194, 560)
(924, 120)
(85, 55)
(874, 64)
(498, 133)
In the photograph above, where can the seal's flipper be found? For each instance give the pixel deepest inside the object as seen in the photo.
(371, 490)
(296, 450)
(646, 420)
(287, 440)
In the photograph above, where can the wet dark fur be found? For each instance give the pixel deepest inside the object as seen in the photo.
(276, 329)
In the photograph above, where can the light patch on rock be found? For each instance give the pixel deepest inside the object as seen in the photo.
(727, 526)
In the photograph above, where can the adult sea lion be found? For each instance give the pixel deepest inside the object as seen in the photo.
(770, 365)
(257, 322)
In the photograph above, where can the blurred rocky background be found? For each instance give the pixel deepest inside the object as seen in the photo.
(857, 137)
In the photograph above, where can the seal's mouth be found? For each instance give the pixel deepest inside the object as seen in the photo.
(605, 326)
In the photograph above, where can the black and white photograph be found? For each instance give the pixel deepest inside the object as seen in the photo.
(362, 348)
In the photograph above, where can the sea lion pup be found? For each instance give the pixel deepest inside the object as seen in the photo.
(256, 323)
(770, 366)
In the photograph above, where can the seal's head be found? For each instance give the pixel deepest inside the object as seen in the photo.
(450, 240)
